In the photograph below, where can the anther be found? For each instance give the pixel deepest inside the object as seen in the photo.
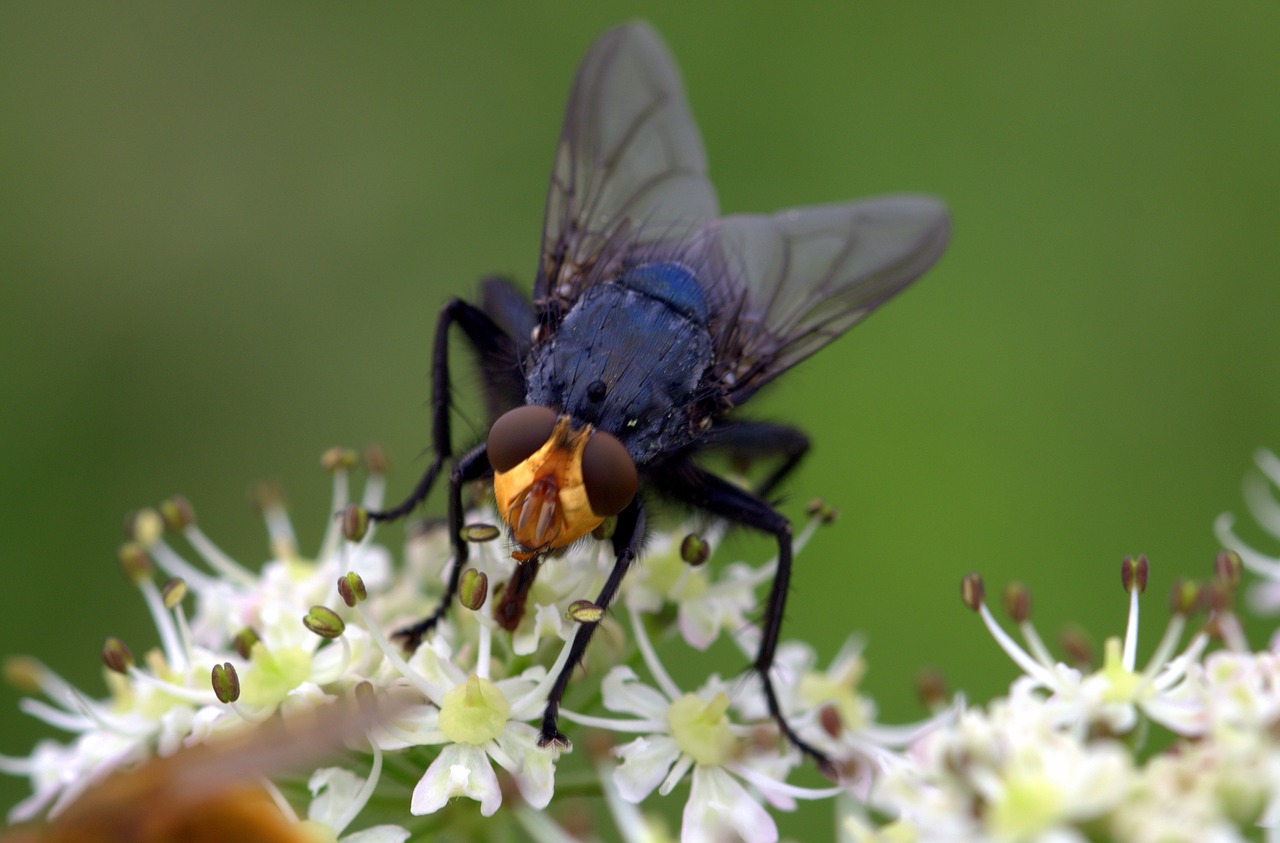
(972, 591)
(174, 591)
(244, 640)
(178, 514)
(476, 533)
(1228, 568)
(338, 458)
(584, 611)
(695, 550)
(1017, 602)
(352, 590)
(226, 682)
(117, 656)
(473, 588)
(375, 458)
(1133, 573)
(355, 522)
(1185, 597)
(135, 562)
(324, 622)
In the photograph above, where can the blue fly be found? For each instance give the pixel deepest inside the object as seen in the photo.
(652, 320)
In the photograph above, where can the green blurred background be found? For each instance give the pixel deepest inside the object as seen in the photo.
(225, 232)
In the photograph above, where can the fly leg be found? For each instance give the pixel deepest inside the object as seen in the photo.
(497, 353)
(493, 346)
(752, 438)
(627, 537)
(704, 490)
(472, 465)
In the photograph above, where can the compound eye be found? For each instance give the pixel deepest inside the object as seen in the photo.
(518, 434)
(609, 474)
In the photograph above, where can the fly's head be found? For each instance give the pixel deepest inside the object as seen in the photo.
(555, 482)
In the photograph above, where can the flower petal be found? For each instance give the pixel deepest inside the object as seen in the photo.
(459, 770)
(717, 801)
(645, 762)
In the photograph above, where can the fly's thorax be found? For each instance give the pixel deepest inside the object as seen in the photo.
(630, 359)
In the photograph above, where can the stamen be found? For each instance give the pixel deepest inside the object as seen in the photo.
(614, 724)
(677, 773)
(174, 652)
(172, 563)
(356, 805)
(220, 562)
(772, 785)
(660, 675)
(180, 691)
(1258, 562)
(539, 693)
(1130, 656)
(416, 679)
(338, 502)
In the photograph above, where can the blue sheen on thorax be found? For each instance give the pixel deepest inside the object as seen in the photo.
(671, 283)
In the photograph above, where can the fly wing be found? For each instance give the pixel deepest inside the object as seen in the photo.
(789, 283)
(630, 171)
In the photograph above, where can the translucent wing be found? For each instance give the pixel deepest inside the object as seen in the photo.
(789, 283)
(630, 171)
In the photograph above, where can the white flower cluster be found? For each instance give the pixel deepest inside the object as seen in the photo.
(1184, 748)
(282, 642)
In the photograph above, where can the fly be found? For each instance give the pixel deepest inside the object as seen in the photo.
(652, 320)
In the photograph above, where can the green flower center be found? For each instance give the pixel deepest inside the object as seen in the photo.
(272, 674)
(1123, 686)
(701, 728)
(474, 712)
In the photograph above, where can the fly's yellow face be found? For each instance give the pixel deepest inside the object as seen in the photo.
(555, 482)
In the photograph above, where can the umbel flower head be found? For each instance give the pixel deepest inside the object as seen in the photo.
(214, 729)
(455, 742)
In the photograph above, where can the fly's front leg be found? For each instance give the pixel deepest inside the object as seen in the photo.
(626, 544)
(686, 481)
(471, 466)
(491, 344)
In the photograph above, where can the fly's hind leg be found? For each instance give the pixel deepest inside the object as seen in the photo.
(709, 493)
(751, 439)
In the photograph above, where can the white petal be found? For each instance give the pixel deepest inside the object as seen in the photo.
(700, 623)
(717, 800)
(547, 623)
(623, 691)
(459, 770)
(645, 762)
(378, 834)
(536, 777)
(332, 789)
